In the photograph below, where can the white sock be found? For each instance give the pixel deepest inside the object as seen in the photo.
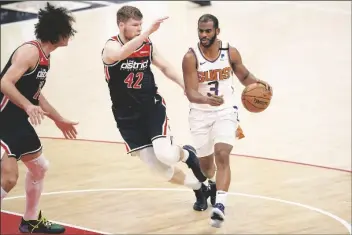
(185, 155)
(3, 193)
(221, 197)
(33, 191)
(192, 182)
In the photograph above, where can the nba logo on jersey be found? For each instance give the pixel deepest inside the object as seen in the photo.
(222, 57)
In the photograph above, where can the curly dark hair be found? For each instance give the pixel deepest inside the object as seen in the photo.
(54, 22)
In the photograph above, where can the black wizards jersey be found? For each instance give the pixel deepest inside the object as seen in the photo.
(131, 81)
(29, 85)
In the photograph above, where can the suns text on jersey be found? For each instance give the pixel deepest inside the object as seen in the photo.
(214, 74)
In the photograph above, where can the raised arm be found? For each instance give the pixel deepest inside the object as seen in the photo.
(113, 51)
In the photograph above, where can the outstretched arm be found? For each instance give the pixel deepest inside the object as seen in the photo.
(166, 68)
(113, 51)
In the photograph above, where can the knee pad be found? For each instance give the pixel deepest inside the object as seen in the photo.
(165, 152)
(38, 167)
(147, 155)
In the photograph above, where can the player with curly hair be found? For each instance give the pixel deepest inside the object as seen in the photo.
(23, 104)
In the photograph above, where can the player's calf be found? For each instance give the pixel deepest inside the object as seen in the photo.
(192, 162)
(175, 176)
(223, 179)
(171, 154)
(9, 174)
(208, 167)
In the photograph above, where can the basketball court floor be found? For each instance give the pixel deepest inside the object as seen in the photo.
(291, 174)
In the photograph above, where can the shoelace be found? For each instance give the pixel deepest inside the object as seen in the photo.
(45, 222)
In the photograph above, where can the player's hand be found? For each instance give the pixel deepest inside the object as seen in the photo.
(67, 127)
(155, 26)
(35, 113)
(267, 86)
(215, 100)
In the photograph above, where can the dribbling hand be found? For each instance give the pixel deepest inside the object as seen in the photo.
(155, 26)
(214, 100)
(35, 113)
(267, 86)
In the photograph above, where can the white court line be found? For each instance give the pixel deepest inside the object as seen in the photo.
(67, 225)
(338, 219)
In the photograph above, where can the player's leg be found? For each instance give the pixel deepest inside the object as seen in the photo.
(224, 134)
(131, 126)
(170, 154)
(171, 174)
(201, 124)
(9, 169)
(162, 148)
(166, 152)
(37, 166)
(207, 164)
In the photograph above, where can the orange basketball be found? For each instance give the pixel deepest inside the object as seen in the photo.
(256, 98)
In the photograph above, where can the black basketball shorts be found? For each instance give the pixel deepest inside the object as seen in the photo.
(19, 139)
(139, 127)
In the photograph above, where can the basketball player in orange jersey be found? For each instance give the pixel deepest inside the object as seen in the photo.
(139, 111)
(207, 71)
(21, 98)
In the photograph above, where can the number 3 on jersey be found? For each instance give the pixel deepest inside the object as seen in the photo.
(130, 79)
(214, 88)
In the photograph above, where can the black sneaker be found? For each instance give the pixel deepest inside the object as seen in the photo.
(212, 192)
(41, 225)
(202, 195)
(193, 163)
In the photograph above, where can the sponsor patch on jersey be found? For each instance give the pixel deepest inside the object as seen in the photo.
(41, 75)
(133, 65)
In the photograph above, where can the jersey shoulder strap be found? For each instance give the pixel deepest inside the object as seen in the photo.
(224, 46)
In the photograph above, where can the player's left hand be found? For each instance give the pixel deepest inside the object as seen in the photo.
(67, 127)
(267, 86)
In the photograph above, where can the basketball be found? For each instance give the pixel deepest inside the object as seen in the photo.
(256, 98)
